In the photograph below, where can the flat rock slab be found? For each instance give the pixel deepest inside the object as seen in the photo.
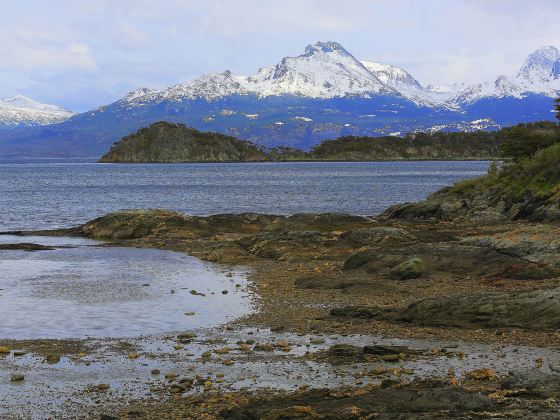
(538, 310)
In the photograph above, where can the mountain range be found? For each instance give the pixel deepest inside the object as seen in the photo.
(323, 93)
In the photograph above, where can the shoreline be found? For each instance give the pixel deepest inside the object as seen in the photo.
(297, 269)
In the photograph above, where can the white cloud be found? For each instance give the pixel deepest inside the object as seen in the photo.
(85, 54)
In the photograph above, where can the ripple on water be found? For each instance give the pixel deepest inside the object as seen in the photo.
(88, 290)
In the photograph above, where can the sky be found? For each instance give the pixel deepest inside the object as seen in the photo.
(83, 54)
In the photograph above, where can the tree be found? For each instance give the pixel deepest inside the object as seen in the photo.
(557, 107)
(522, 141)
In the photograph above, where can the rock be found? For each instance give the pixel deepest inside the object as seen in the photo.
(133, 356)
(19, 353)
(103, 387)
(26, 247)
(4, 350)
(107, 417)
(170, 376)
(485, 374)
(224, 292)
(409, 269)
(188, 336)
(539, 310)
(176, 389)
(155, 372)
(206, 355)
(381, 350)
(16, 377)
(416, 400)
(534, 382)
(359, 259)
(378, 235)
(343, 353)
(263, 347)
(364, 311)
(316, 341)
(190, 313)
(53, 358)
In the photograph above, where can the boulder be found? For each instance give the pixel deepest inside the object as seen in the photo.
(409, 269)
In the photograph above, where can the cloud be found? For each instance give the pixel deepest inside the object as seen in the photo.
(85, 54)
(32, 51)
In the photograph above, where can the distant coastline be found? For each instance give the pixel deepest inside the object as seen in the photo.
(164, 142)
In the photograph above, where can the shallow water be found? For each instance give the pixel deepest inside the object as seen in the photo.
(83, 289)
(51, 388)
(53, 195)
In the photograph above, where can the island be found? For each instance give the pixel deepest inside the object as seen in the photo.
(164, 142)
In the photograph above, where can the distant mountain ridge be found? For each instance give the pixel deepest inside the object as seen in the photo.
(23, 111)
(323, 93)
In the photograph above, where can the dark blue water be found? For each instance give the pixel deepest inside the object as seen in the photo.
(49, 195)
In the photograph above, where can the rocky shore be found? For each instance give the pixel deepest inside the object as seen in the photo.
(449, 308)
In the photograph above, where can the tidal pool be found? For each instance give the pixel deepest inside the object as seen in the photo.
(84, 289)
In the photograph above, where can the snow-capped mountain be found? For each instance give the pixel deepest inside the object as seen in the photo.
(325, 70)
(539, 74)
(321, 94)
(23, 111)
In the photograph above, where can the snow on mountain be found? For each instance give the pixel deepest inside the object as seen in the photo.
(326, 70)
(539, 74)
(406, 85)
(454, 88)
(391, 75)
(23, 111)
(539, 64)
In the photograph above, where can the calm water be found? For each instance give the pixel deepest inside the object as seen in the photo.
(82, 289)
(50, 195)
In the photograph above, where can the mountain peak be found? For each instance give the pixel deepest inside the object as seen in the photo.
(538, 67)
(325, 47)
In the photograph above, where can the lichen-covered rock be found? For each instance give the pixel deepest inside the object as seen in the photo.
(409, 269)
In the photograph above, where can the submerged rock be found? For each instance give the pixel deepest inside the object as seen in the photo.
(26, 247)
